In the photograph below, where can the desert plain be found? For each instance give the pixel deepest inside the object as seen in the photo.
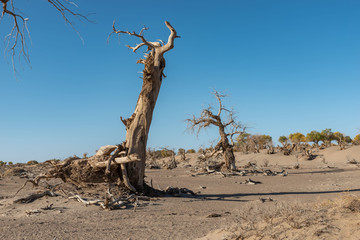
(304, 199)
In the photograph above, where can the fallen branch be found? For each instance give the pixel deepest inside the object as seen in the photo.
(34, 182)
(88, 202)
(35, 196)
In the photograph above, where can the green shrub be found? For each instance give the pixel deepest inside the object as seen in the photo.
(10, 163)
(2, 163)
(283, 140)
(297, 138)
(32, 162)
(356, 140)
(327, 136)
(191, 151)
(181, 151)
(314, 136)
(166, 153)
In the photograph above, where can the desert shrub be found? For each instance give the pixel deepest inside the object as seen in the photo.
(351, 160)
(283, 140)
(181, 151)
(2, 163)
(32, 162)
(54, 160)
(71, 158)
(327, 136)
(10, 163)
(339, 137)
(85, 155)
(166, 153)
(314, 136)
(348, 139)
(191, 151)
(200, 150)
(297, 138)
(356, 140)
(260, 141)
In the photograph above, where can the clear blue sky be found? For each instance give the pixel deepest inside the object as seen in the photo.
(288, 66)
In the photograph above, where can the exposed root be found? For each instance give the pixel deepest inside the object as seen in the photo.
(112, 203)
(126, 178)
(34, 182)
(88, 202)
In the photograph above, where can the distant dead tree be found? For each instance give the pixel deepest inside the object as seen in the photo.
(228, 128)
(16, 40)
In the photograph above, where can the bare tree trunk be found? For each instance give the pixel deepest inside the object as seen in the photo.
(229, 156)
(138, 125)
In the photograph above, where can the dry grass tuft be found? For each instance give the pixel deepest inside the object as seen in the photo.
(292, 221)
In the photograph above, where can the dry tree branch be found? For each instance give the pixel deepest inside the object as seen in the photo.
(17, 33)
(65, 11)
(138, 35)
(17, 38)
(208, 118)
(162, 48)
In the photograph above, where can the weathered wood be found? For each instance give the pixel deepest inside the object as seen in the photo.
(118, 160)
(138, 125)
(127, 159)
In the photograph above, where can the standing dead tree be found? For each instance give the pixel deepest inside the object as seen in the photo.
(126, 166)
(138, 125)
(227, 128)
(16, 40)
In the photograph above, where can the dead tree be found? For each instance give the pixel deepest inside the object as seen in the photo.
(126, 166)
(138, 125)
(16, 40)
(227, 129)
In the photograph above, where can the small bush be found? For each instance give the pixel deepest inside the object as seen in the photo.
(32, 162)
(71, 158)
(181, 151)
(351, 160)
(2, 163)
(10, 163)
(166, 153)
(356, 140)
(191, 151)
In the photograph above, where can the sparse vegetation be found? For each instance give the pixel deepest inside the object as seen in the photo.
(315, 137)
(327, 136)
(283, 140)
(297, 138)
(356, 140)
(191, 151)
(352, 160)
(32, 162)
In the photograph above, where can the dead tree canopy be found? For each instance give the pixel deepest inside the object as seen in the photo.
(225, 121)
(19, 35)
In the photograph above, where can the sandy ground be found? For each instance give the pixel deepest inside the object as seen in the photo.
(308, 203)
